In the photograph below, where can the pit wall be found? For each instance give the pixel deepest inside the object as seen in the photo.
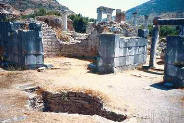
(120, 53)
(174, 61)
(21, 44)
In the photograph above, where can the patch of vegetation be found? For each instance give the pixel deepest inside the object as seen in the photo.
(168, 31)
(80, 22)
(165, 31)
(41, 12)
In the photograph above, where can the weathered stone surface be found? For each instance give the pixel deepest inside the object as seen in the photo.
(120, 52)
(51, 44)
(22, 44)
(174, 59)
(143, 33)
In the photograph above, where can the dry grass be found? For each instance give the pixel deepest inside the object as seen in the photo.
(9, 78)
(182, 99)
(60, 35)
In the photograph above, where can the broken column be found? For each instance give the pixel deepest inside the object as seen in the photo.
(109, 17)
(120, 16)
(135, 19)
(64, 18)
(146, 22)
(181, 30)
(154, 43)
(99, 15)
(144, 32)
(105, 10)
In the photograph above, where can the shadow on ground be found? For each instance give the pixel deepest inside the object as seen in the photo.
(162, 86)
(155, 71)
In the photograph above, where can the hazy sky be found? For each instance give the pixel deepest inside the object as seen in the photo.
(88, 7)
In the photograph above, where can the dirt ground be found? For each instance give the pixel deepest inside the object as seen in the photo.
(138, 94)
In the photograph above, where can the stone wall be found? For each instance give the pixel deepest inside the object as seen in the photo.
(174, 61)
(51, 44)
(87, 47)
(77, 46)
(116, 53)
(21, 44)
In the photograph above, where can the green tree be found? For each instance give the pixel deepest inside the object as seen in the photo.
(164, 31)
(80, 22)
(168, 30)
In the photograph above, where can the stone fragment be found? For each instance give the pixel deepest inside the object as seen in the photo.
(41, 69)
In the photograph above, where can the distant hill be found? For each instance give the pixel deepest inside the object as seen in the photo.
(159, 7)
(35, 4)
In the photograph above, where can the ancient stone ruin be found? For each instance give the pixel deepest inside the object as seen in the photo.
(59, 41)
(174, 66)
(21, 44)
(120, 16)
(116, 52)
(174, 62)
(104, 10)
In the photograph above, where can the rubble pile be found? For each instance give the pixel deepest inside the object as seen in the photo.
(118, 28)
(161, 48)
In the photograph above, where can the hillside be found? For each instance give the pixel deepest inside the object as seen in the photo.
(35, 4)
(158, 7)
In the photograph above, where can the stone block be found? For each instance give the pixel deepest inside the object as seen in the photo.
(106, 48)
(143, 33)
(171, 70)
(34, 26)
(131, 42)
(175, 49)
(122, 43)
(130, 51)
(121, 52)
(125, 52)
(141, 50)
(30, 60)
(139, 59)
(119, 61)
(142, 42)
(180, 74)
(129, 60)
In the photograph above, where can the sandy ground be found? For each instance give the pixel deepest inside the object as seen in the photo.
(136, 93)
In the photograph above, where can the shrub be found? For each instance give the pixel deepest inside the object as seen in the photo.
(41, 12)
(168, 30)
(80, 22)
(165, 30)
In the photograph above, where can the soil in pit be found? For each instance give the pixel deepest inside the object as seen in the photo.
(72, 103)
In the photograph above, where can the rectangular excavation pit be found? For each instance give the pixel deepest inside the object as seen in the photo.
(72, 103)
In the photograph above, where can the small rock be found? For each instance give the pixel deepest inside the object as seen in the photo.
(49, 66)
(147, 88)
(41, 69)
